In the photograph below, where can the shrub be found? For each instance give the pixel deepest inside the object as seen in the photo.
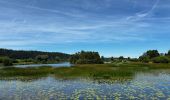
(161, 59)
(144, 59)
(7, 61)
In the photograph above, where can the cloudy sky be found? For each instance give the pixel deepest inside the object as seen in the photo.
(112, 27)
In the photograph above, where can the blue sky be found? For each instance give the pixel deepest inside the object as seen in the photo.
(112, 27)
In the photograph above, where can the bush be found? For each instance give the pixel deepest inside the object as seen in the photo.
(144, 59)
(161, 59)
(7, 61)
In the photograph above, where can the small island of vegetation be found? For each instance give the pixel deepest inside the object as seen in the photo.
(86, 58)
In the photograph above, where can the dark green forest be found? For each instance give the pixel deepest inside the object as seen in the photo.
(21, 54)
(8, 57)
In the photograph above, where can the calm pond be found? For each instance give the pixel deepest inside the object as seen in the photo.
(143, 86)
(64, 64)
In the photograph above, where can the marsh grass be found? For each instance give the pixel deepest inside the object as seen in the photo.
(96, 71)
(12, 71)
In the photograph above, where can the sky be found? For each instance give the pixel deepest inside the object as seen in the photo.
(111, 27)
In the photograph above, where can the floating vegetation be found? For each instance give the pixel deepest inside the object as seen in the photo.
(85, 83)
(144, 86)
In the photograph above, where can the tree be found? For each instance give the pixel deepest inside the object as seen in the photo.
(1, 59)
(161, 59)
(121, 58)
(168, 53)
(112, 58)
(57, 59)
(42, 58)
(129, 58)
(86, 57)
(152, 54)
(21, 54)
(74, 58)
(102, 58)
(144, 59)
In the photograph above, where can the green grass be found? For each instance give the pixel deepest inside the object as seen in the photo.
(11, 71)
(95, 71)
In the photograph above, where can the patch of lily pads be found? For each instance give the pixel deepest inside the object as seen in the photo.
(143, 87)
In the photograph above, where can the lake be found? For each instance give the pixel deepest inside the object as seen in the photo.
(64, 64)
(154, 85)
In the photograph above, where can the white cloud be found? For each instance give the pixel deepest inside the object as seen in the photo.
(34, 29)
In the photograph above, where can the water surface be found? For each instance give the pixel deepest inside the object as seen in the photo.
(65, 64)
(143, 86)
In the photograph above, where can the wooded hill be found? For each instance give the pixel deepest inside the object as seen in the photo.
(21, 54)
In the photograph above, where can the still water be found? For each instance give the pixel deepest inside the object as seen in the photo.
(143, 86)
(65, 64)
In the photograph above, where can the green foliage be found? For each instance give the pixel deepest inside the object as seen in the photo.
(42, 58)
(121, 58)
(74, 58)
(112, 59)
(144, 59)
(133, 60)
(86, 58)
(147, 56)
(29, 60)
(168, 53)
(102, 58)
(104, 71)
(57, 59)
(20, 54)
(13, 71)
(6, 61)
(161, 59)
(155, 57)
(151, 54)
(1, 59)
(14, 61)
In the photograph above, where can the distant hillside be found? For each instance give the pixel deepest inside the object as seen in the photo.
(21, 54)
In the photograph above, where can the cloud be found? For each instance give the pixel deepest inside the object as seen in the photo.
(77, 23)
(143, 14)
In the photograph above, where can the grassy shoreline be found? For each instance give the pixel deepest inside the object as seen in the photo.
(97, 71)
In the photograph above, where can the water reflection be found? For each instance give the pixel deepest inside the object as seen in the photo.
(142, 86)
(65, 64)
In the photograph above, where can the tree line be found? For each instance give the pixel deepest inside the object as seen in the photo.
(155, 57)
(150, 56)
(7, 57)
(21, 54)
